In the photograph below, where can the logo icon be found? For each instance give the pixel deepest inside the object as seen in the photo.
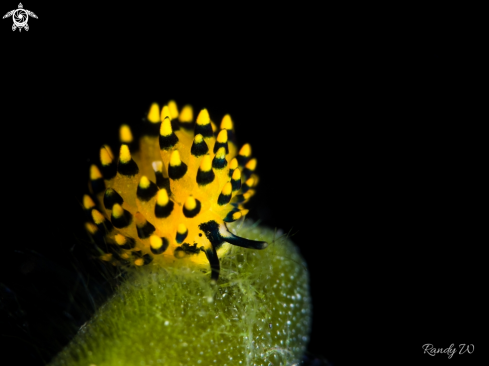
(20, 17)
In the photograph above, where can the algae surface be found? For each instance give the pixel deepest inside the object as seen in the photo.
(258, 313)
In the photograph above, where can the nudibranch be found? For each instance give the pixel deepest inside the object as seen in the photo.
(169, 200)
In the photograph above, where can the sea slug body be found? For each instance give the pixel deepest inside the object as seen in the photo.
(169, 201)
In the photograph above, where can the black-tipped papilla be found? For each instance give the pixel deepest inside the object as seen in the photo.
(121, 221)
(109, 171)
(129, 243)
(147, 258)
(98, 185)
(231, 217)
(160, 248)
(161, 181)
(111, 197)
(180, 237)
(199, 147)
(164, 211)
(129, 168)
(239, 198)
(242, 160)
(167, 142)
(178, 171)
(103, 225)
(219, 163)
(192, 212)
(145, 230)
(205, 177)
(246, 186)
(204, 130)
(248, 169)
(246, 174)
(224, 199)
(218, 145)
(236, 183)
(146, 193)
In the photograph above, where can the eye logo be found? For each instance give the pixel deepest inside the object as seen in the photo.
(20, 17)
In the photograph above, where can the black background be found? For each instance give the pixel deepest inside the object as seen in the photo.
(366, 154)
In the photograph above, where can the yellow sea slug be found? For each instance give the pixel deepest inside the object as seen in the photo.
(161, 210)
(167, 202)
